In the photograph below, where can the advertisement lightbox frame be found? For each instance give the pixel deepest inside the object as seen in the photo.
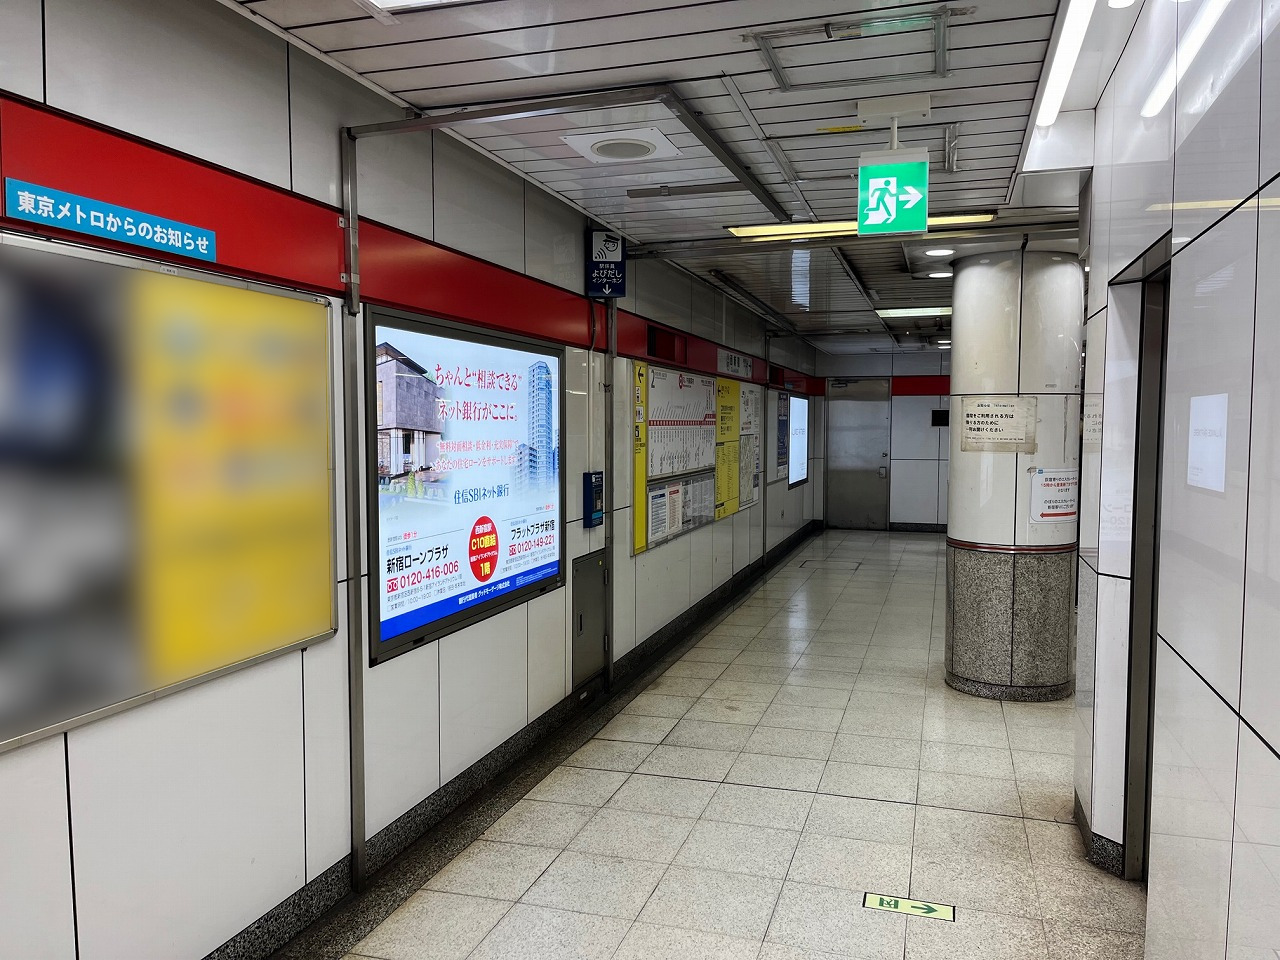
(137, 260)
(375, 317)
(804, 398)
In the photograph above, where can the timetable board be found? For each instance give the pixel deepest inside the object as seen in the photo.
(681, 412)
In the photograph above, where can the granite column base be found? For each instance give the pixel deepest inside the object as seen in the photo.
(1009, 623)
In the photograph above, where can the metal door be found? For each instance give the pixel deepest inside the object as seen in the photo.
(588, 617)
(858, 454)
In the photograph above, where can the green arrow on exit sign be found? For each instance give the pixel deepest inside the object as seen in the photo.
(893, 192)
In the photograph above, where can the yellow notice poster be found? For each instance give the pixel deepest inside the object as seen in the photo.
(728, 425)
(640, 455)
(233, 473)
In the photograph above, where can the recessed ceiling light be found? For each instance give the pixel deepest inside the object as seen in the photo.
(623, 146)
(398, 5)
(1181, 239)
(944, 346)
(940, 275)
(940, 342)
(942, 252)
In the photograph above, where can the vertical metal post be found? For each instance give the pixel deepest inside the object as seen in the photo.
(611, 331)
(353, 459)
(893, 133)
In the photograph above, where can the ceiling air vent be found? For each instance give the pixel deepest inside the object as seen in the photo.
(623, 146)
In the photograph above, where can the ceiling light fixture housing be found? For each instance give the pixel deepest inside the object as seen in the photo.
(941, 275)
(833, 228)
(623, 146)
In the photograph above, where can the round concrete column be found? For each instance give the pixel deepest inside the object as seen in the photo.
(1016, 331)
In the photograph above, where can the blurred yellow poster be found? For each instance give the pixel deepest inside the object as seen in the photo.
(727, 471)
(232, 475)
(728, 419)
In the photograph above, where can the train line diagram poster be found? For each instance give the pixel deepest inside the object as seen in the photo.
(468, 478)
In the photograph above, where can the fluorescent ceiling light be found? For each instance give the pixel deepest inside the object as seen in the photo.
(942, 341)
(940, 275)
(913, 313)
(939, 253)
(1201, 26)
(413, 4)
(944, 346)
(1075, 24)
(1119, 4)
(802, 231)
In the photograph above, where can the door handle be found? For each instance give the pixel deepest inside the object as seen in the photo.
(884, 472)
(579, 623)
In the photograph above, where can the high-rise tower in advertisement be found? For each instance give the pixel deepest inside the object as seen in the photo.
(541, 427)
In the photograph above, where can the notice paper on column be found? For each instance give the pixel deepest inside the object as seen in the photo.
(658, 524)
(999, 424)
(1054, 495)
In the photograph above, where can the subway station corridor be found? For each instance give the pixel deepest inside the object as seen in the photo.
(802, 751)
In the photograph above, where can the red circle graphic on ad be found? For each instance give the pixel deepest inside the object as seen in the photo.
(483, 549)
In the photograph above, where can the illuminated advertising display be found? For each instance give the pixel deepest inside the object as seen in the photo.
(798, 446)
(466, 504)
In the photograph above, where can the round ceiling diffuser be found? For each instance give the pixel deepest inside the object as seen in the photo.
(623, 149)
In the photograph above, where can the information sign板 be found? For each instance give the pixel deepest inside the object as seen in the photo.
(998, 424)
(893, 192)
(798, 446)
(468, 478)
(1055, 495)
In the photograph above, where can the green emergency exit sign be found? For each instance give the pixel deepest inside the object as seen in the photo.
(893, 192)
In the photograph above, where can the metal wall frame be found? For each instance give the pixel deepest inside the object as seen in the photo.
(140, 262)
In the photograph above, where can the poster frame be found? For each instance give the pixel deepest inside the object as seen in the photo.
(137, 260)
(792, 484)
(380, 652)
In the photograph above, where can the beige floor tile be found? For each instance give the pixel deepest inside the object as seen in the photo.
(679, 686)
(1091, 897)
(1069, 941)
(539, 933)
(636, 728)
(976, 935)
(868, 782)
(978, 883)
(540, 824)
(647, 941)
(700, 669)
(851, 864)
(961, 792)
(739, 848)
(735, 904)
(859, 819)
(620, 755)
(433, 926)
(785, 742)
(589, 883)
(968, 759)
(666, 795)
(876, 751)
(728, 711)
(690, 763)
(787, 773)
(615, 832)
(759, 806)
(576, 785)
(659, 705)
(834, 921)
(800, 695)
(502, 871)
(1056, 845)
(826, 719)
(941, 833)
(709, 735)
(741, 690)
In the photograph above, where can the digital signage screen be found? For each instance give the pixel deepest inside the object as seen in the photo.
(798, 447)
(466, 512)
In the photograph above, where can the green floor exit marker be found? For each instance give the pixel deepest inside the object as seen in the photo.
(914, 908)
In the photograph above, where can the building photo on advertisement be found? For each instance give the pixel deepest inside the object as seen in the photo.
(468, 486)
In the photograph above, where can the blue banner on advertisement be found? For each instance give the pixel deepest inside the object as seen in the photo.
(403, 623)
(67, 211)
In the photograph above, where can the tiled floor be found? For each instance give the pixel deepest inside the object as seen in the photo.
(804, 752)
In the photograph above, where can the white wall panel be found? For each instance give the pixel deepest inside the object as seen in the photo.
(187, 815)
(624, 413)
(395, 171)
(1119, 432)
(911, 433)
(548, 652)
(816, 499)
(401, 734)
(1100, 202)
(484, 687)
(22, 48)
(925, 363)
(1111, 702)
(555, 235)
(755, 517)
(1141, 186)
(35, 871)
(663, 293)
(196, 77)
(577, 428)
(708, 318)
(1057, 448)
(597, 406)
(722, 534)
(624, 585)
(479, 206)
(880, 365)
(1269, 146)
(702, 551)
(743, 541)
(662, 586)
(985, 483)
(1210, 355)
(327, 738)
(944, 473)
(1258, 701)
(1091, 444)
(1085, 661)
(1217, 103)
(913, 491)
